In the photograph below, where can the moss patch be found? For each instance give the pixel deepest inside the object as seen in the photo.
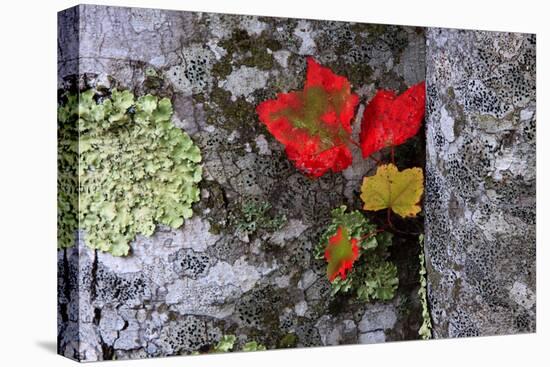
(356, 73)
(243, 49)
(288, 341)
(230, 115)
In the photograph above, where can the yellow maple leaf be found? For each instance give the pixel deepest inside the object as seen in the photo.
(390, 188)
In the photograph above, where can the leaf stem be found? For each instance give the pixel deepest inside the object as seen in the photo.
(391, 226)
(357, 144)
(370, 234)
(354, 143)
(378, 162)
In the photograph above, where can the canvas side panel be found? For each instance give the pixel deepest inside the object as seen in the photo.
(480, 189)
(69, 281)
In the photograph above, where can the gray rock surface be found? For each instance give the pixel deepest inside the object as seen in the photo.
(480, 182)
(180, 290)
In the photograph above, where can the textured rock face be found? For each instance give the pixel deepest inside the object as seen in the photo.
(238, 266)
(480, 182)
(243, 263)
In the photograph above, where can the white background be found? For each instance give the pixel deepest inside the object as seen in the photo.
(28, 181)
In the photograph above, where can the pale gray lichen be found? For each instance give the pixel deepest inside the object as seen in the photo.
(244, 81)
(480, 181)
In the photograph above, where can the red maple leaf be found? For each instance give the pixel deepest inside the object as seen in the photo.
(314, 124)
(390, 120)
(341, 252)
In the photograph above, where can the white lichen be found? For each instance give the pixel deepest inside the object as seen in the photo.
(244, 81)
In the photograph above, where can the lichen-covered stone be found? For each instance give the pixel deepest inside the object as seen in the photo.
(238, 266)
(480, 182)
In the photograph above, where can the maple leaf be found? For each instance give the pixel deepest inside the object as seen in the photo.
(390, 120)
(390, 188)
(314, 124)
(341, 252)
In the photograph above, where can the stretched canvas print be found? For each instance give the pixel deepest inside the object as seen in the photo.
(233, 183)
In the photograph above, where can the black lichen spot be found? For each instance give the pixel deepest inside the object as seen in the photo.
(524, 323)
(188, 263)
(196, 71)
(114, 288)
(187, 334)
(461, 325)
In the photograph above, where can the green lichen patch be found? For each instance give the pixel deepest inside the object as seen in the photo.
(373, 276)
(425, 330)
(253, 216)
(227, 344)
(253, 346)
(67, 173)
(133, 169)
